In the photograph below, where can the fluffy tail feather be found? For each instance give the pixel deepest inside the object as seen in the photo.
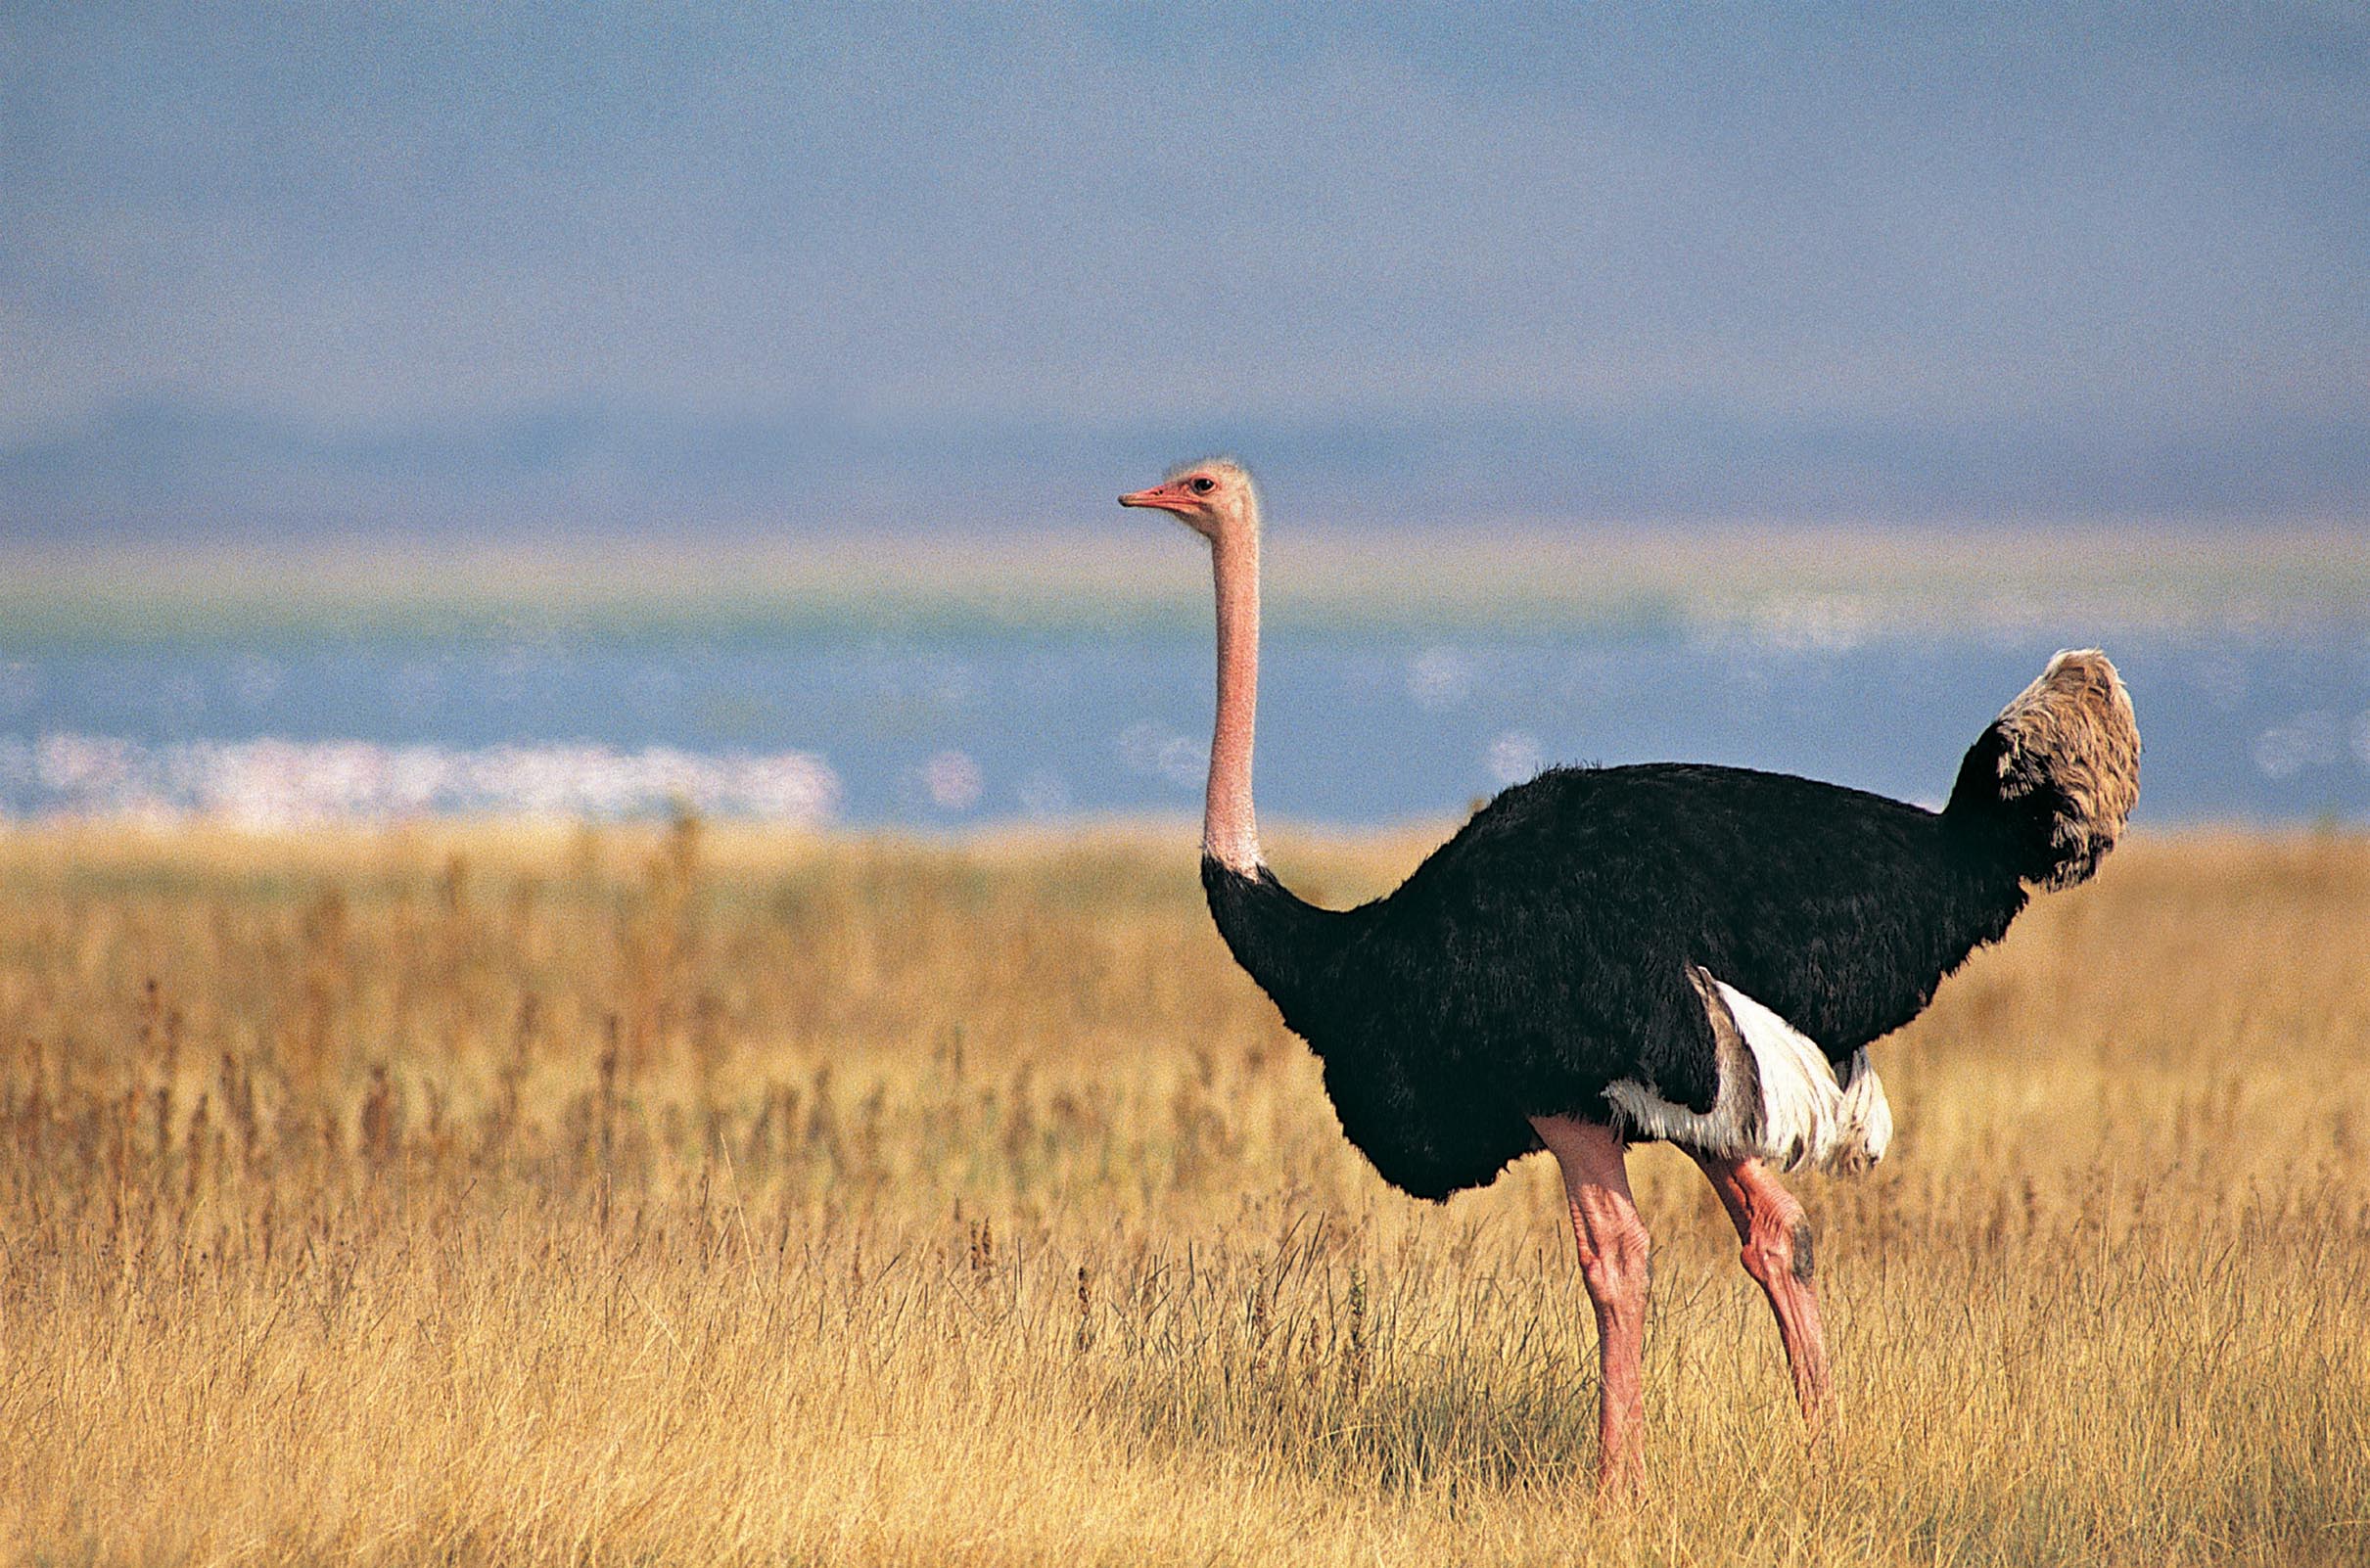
(2057, 774)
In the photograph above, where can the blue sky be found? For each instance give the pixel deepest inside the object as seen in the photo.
(685, 268)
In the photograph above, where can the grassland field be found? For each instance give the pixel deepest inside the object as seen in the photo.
(548, 1195)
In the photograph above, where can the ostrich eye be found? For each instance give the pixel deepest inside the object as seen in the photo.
(1204, 485)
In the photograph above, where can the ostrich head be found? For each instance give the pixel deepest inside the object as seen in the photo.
(1213, 497)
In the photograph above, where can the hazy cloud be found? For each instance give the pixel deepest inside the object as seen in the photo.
(699, 267)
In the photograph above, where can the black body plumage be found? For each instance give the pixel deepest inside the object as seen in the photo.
(1544, 951)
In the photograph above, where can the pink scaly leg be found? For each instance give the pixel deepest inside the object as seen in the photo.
(1777, 1255)
(1614, 1262)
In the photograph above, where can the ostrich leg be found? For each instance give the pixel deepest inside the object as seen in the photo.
(1614, 1262)
(1777, 1255)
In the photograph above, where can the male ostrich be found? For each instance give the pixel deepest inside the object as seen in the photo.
(1666, 951)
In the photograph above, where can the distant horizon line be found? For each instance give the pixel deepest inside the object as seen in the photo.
(163, 466)
(1856, 580)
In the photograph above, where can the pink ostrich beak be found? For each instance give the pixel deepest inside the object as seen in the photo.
(1164, 497)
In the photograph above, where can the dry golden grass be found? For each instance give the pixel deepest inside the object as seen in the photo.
(483, 1195)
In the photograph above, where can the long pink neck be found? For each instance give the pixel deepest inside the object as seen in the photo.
(1230, 830)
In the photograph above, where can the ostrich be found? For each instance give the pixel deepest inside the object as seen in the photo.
(1662, 951)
